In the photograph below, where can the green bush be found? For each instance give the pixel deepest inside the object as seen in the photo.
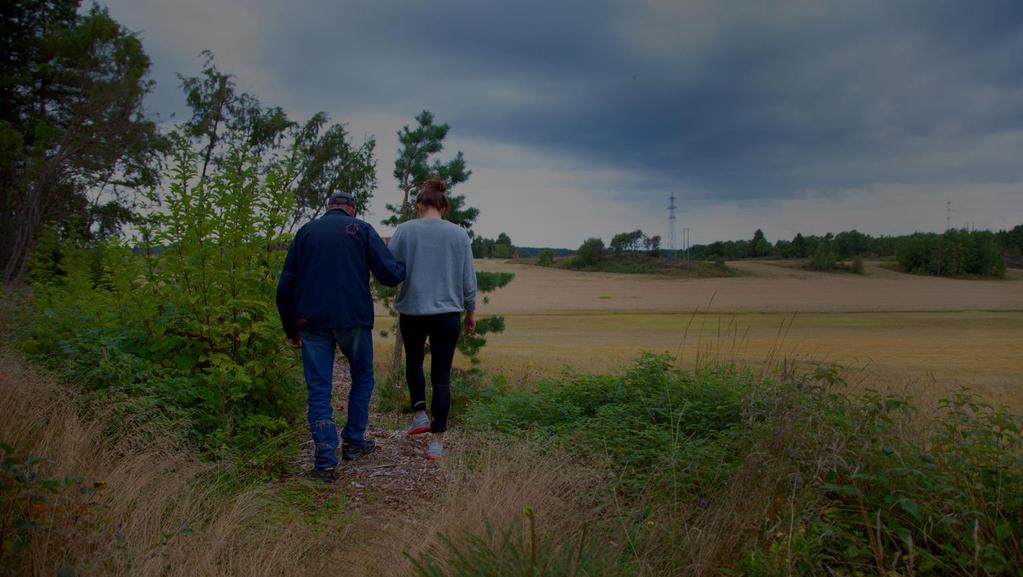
(823, 259)
(857, 265)
(797, 475)
(183, 327)
(502, 251)
(650, 421)
(546, 257)
(590, 253)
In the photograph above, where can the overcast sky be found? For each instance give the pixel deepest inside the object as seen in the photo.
(580, 118)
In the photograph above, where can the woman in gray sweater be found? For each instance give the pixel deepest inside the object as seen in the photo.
(440, 284)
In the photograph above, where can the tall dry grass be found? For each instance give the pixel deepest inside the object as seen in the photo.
(489, 491)
(157, 509)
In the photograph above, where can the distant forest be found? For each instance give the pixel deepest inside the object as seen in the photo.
(956, 252)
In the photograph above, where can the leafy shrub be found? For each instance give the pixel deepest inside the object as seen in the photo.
(184, 324)
(649, 421)
(546, 257)
(502, 251)
(857, 265)
(590, 253)
(823, 259)
(790, 475)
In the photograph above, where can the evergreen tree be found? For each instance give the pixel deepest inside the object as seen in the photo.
(416, 162)
(74, 139)
(760, 246)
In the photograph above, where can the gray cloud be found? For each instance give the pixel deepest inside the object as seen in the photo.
(721, 101)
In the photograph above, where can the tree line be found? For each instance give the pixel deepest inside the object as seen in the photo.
(955, 252)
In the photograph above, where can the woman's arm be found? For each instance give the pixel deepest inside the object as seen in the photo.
(469, 287)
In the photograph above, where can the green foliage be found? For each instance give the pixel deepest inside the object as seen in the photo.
(949, 503)
(503, 251)
(184, 327)
(857, 265)
(589, 254)
(841, 484)
(1012, 241)
(470, 345)
(502, 247)
(546, 257)
(823, 258)
(488, 282)
(413, 167)
(306, 501)
(509, 553)
(71, 123)
(649, 421)
(226, 122)
(760, 246)
(625, 241)
(954, 253)
(653, 245)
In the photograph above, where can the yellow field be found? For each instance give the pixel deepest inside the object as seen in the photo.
(925, 352)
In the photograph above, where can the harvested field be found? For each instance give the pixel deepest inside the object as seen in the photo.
(763, 287)
(924, 335)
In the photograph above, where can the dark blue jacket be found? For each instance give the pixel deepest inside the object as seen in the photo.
(325, 280)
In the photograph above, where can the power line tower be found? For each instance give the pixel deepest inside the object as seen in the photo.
(948, 215)
(672, 217)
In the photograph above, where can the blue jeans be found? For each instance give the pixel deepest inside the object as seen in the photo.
(318, 365)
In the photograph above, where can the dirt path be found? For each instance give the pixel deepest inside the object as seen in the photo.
(764, 286)
(396, 476)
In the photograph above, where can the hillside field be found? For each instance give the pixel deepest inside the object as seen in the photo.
(923, 335)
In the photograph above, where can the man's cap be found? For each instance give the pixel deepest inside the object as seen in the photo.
(341, 197)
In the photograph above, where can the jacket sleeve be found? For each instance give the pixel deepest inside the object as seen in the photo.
(468, 278)
(382, 263)
(286, 289)
(397, 244)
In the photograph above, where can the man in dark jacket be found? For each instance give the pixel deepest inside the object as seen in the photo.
(324, 301)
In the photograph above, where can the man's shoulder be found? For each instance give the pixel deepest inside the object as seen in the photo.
(339, 219)
(365, 226)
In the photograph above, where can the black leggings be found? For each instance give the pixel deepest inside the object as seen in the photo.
(442, 331)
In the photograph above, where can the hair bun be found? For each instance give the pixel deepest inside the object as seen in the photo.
(434, 183)
(432, 193)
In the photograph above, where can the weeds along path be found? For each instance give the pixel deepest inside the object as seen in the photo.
(107, 497)
(396, 478)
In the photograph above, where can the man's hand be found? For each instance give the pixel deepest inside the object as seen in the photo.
(294, 342)
(470, 322)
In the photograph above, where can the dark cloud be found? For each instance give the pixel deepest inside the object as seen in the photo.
(727, 100)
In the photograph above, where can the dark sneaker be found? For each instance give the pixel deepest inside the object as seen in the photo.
(327, 475)
(351, 452)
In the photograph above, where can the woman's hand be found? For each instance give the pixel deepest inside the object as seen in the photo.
(470, 322)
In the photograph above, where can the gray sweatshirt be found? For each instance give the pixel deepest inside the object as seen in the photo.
(439, 277)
